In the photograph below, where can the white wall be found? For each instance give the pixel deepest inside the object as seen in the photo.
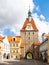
(43, 46)
(6, 46)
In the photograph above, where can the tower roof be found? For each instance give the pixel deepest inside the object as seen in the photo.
(29, 13)
(31, 22)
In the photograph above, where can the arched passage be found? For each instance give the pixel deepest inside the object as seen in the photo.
(8, 56)
(29, 55)
(4, 55)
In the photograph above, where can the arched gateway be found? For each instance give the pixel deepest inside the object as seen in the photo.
(29, 38)
(29, 55)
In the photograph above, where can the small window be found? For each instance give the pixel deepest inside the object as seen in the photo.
(25, 33)
(13, 39)
(33, 33)
(11, 56)
(0, 53)
(0, 47)
(29, 38)
(13, 51)
(29, 33)
(16, 44)
(17, 51)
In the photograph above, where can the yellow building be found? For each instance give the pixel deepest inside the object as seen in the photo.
(14, 46)
(1, 49)
(48, 46)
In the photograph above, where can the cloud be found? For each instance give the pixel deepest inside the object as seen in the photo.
(42, 25)
(13, 14)
(11, 11)
(42, 17)
(9, 32)
(37, 8)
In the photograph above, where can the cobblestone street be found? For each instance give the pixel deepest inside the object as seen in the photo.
(23, 62)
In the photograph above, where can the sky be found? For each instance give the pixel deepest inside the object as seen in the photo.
(14, 12)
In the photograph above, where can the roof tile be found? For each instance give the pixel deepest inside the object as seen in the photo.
(31, 22)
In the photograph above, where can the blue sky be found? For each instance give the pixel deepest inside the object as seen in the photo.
(14, 12)
(8, 32)
(43, 7)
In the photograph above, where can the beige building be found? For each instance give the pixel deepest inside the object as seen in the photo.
(43, 48)
(14, 46)
(47, 35)
(1, 47)
(29, 35)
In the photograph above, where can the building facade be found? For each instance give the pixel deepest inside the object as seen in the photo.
(47, 35)
(6, 48)
(14, 46)
(43, 48)
(1, 47)
(29, 35)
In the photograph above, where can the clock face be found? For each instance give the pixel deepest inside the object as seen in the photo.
(29, 27)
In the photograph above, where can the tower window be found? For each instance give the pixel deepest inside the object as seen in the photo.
(29, 33)
(13, 51)
(33, 33)
(29, 38)
(25, 33)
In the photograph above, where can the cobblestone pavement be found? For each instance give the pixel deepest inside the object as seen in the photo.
(23, 62)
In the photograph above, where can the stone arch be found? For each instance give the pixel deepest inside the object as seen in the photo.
(29, 55)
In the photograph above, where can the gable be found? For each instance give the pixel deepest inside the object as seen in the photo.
(27, 22)
(29, 27)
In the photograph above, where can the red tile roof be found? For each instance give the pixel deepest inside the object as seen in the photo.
(47, 35)
(17, 38)
(31, 22)
(1, 38)
(37, 43)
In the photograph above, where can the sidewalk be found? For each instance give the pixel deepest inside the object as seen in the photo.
(3, 62)
(9, 60)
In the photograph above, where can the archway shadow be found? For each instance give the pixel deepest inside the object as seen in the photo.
(29, 53)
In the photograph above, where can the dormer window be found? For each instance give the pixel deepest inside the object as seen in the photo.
(13, 39)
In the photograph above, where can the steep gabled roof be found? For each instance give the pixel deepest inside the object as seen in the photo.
(17, 38)
(37, 43)
(1, 38)
(31, 22)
